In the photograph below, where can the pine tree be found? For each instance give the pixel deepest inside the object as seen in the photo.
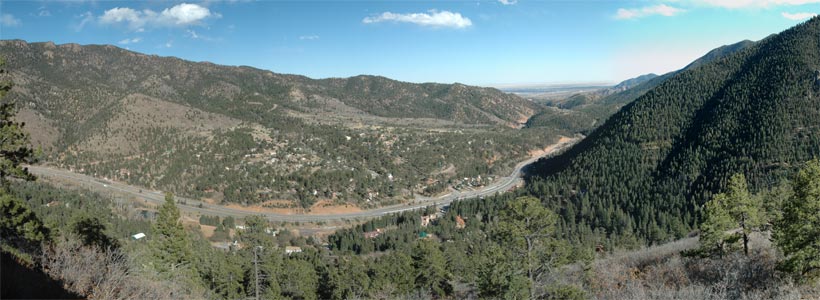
(745, 209)
(527, 230)
(259, 247)
(18, 224)
(170, 242)
(734, 209)
(797, 234)
(714, 229)
(15, 148)
(430, 267)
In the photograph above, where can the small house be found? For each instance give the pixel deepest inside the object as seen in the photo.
(292, 249)
(373, 234)
(138, 236)
(460, 224)
(426, 220)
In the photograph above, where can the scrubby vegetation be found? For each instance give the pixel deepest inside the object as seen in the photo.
(242, 135)
(708, 169)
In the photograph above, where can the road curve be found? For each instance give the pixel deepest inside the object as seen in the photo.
(503, 184)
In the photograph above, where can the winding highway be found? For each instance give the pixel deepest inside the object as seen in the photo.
(503, 184)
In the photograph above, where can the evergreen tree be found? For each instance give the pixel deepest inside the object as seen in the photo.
(299, 280)
(170, 242)
(734, 209)
(92, 232)
(714, 236)
(797, 234)
(19, 226)
(260, 248)
(528, 231)
(430, 268)
(15, 148)
(393, 275)
(500, 277)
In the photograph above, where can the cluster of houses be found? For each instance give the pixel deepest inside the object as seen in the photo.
(429, 219)
(426, 220)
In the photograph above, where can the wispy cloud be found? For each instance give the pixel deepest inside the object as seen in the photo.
(130, 41)
(84, 18)
(433, 18)
(309, 37)
(192, 34)
(798, 16)
(44, 13)
(508, 2)
(180, 15)
(7, 20)
(635, 13)
(198, 36)
(752, 3)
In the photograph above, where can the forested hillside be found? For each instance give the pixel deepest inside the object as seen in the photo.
(652, 165)
(585, 111)
(244, 135)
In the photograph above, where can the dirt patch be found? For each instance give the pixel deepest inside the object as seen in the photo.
(322, 207)
(42, 132)
(539, 152)
(207, 230)
(326, 207)
(259, 209)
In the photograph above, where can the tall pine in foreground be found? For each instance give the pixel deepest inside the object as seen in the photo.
(730, 217)
(170, 243)
(797, 234)
(20, 228)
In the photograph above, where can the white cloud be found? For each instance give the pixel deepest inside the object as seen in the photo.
(186, 13)
(8, 20)
(798, 16)
(508, 2)
(129, 15)
(169, 44)
(179, 15)
(130, 41)
(432, 19)
(309, 37)
(634, 13)
(44, 13)
(752, 3)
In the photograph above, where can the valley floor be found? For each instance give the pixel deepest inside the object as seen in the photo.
(152, 198)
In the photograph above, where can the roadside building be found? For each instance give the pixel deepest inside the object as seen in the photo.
(426, 220)
(460, 224)
(373, 234)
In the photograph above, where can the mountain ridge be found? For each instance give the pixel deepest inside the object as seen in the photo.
(246, 135)
(650, 166)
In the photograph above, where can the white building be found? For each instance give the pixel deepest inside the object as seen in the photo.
(292, 249)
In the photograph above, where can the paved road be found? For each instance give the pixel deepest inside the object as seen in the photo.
(192, 205)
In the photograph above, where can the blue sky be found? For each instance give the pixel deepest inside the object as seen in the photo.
(475, 42)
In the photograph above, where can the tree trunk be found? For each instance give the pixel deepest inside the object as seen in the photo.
(529, 268)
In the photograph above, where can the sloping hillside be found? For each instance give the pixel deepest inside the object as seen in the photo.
(107, 72)
(239, 134)
(651, 165)
(590, 109)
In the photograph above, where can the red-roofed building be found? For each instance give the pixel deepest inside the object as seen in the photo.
(460, 224)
